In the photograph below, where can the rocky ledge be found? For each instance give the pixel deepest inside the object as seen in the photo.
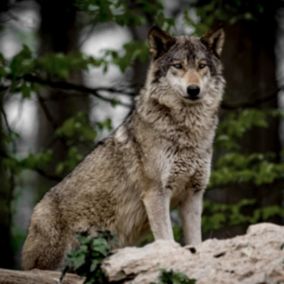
(254, 258)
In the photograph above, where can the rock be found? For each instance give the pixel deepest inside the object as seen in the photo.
(254, 258)
(257, 257)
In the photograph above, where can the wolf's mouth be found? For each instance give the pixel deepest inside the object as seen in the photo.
(193, 100)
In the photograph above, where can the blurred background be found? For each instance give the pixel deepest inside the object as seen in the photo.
(69, 71)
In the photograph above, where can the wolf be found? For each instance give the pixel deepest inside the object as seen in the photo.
(159, 158)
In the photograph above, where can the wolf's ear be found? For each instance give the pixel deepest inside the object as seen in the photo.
(159, 41)
(214, 41)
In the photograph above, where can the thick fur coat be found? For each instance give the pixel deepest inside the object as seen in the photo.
(158, 158)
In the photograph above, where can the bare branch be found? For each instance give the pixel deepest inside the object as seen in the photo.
(80, 88)
(40, 171)
(254, 103)
(5, 118)
(69, 86)
(47, 175)
(50, 118)
(46, 111)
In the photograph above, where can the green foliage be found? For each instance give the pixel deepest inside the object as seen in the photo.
(233, 166)
(18, 238)
(22, 63)
(36, 160)
(172, 277)
(57, 64)
(132, 51)
(32, 161)
(236, 168)
(105, 124)
(229, 12)
(87, 259)
(75, 132)
(217, 215)
(117, 11)
(79, 128)
(70, 162)
(238, 123)
(62, 65)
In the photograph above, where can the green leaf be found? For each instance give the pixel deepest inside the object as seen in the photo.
(94, 265)
(22, 63)
(72, 160)
(78, 261)
(171, 277)
(101, 246)
(36, 160)
(87, 259)
(77, 128)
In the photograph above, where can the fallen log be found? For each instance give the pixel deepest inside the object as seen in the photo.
(37, 276)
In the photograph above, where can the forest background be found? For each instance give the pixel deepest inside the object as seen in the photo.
(69, 71)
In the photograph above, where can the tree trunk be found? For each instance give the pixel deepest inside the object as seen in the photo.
(6, 190)
(250, 70)
(59, 33)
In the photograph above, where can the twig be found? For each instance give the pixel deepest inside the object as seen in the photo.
(37, 170)
(80, 88)
(4, 88)
(5, 119)
(47, 175)
(68, 86)
(256, 102)
(46, 111)
(11, 171)
(50, 119)
(95, 92)
(76, 87)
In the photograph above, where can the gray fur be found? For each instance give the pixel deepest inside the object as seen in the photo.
(159, 157)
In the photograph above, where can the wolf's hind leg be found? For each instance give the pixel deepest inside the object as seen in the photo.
(157, 204)
(42, 250)
(46, 242)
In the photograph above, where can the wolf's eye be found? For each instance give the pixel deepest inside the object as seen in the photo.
(202, 65)
(177, 66)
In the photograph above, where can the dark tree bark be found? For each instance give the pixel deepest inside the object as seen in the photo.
(140, 33)
(6, 196)
(6, 187)
(58, 33)
(250, 70)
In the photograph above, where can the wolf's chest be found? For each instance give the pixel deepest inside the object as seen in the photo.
(176, 166)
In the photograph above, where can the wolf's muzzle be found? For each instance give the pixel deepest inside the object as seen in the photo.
(193, 92)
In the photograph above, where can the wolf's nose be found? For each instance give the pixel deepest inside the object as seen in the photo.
(193, 92)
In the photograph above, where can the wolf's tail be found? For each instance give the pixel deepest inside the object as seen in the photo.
(45, 245)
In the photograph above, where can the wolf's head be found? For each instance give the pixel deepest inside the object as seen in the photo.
(189, 66)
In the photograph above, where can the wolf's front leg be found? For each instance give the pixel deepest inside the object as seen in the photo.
(191, 211)
(157, 205)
